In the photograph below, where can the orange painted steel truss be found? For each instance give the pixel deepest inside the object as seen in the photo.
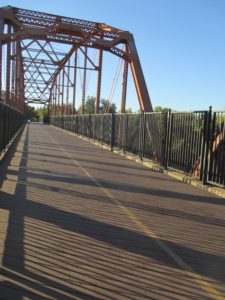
(33, 70)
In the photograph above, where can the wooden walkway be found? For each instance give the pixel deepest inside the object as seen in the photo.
(80, 222)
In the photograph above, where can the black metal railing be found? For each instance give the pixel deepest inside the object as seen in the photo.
(119, 131)
(186, 142)
(190, 142)
(216, 157)
(11, 121)
(155, 136)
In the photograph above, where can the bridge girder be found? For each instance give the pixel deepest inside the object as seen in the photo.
(36, 70)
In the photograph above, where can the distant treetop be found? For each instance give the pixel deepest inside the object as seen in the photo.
(160, 109)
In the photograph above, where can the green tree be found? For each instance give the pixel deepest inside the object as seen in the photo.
(31, 113)
(42, 112)
(161, 109)
(106, 106)
(89, 107)
(129, 110)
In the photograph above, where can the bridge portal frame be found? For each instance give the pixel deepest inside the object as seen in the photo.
(20, 29)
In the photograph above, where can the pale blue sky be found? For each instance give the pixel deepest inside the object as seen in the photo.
(181, 44)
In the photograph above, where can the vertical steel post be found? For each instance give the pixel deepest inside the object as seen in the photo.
(125, 128)
(84, 81)
(67, 88)
(6, 126)
(141, 135)
(8, 67)
(112, 131)
(206, 146)
(61, 88)
(167, 139)
(211, 141)
(22, 89)
(14, 67)
(203, 146)
(98, 95)
(94, 135)
(51, 103)
(1, 58)
(102, 128)
(169, 146)
(17, 77)
(74, 80)
(57, 96)
(124, 87)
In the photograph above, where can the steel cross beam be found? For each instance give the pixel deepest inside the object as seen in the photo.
(39, 32)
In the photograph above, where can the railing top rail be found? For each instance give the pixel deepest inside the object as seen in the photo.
(135, 113)
(156, 112)
(218, 112)
(139, 113)
(11, 107)
(189, 112)
(79, 115)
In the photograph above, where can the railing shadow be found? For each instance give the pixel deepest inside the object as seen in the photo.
(19, 282)
(21, 210)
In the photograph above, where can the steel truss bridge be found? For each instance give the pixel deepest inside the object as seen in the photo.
(36, 72)
(78, 221)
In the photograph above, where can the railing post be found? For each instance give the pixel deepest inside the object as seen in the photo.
(1, 126)
(170, 128)
(141, 135)
(76, 123)
(102, 128)
(94, 116)
(203, 146)
(125, 127)
(211, 139)
(6, 126)
(167, 138)
(112, 131)
(72, 123)
(90, 127)
(206, 145)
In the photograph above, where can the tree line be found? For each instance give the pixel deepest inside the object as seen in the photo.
(37, 114)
